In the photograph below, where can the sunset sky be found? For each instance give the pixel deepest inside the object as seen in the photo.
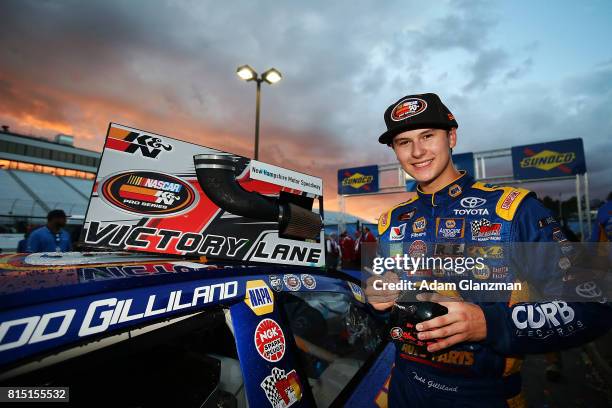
(511, 72)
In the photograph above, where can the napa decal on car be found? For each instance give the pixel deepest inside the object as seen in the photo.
(259, 297)
(160, 195)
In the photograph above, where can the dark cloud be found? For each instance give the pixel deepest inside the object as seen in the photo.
(169, 67)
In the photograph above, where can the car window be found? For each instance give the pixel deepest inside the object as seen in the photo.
(335, 335)
(179, 362)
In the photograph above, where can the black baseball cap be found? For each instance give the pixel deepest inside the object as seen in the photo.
(419, 111)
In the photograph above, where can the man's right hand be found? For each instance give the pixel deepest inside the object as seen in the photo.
(381, 299)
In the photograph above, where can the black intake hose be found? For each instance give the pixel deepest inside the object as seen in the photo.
(216, 176)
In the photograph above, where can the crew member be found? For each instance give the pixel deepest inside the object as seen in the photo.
(603, 223)
(473, 352)
(51, 237)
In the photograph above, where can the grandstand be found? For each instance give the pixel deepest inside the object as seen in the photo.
(38, 175)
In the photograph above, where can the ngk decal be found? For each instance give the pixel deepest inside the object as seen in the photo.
(103, 314)
(545, 319)
(259, 297)
(270, 340)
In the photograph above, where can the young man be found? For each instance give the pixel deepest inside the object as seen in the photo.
(51, 237)
(472, 354)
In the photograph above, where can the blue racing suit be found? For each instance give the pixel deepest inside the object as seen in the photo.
(472, 219)
(603, 224)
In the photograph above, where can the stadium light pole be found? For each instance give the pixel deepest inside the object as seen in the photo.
(271, 76)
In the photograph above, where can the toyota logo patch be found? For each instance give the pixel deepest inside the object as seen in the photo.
(472, 202)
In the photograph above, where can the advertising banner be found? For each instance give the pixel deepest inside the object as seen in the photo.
(548, 160)
(358, 180)
(465, 161)
(161, 195)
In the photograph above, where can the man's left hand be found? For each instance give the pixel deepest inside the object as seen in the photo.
(464, 322)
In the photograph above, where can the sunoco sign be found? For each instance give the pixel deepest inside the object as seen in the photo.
(358, 180)
(547, 160)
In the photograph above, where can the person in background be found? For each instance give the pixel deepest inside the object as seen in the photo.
(358, 240)
(332, 252)
(603, 223)
(22, 246)
(51, 237)
(368, 236)
(347, 246)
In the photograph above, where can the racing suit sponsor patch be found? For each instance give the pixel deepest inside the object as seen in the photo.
(489, 251)
(417, 249)
(454, 190)
(450, 228)
(406, 216)
(418, 227)
(507, 203)
(397, 233)
(485, 230)
(543, 320)
(543, 222)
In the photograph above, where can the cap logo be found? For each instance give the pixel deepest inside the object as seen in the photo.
(407, 108)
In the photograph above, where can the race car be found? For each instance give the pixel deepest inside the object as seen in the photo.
(203, 284)
(126, 330)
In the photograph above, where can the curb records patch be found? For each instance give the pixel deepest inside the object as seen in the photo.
(148, 193)
(270, 340)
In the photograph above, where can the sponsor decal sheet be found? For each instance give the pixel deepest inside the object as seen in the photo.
(147, 198)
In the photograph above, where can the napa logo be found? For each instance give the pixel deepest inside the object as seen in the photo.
(357, 180)
(548, 160)
(259, 297)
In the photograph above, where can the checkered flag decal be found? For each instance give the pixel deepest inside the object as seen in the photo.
(477, 224)
(269, 387)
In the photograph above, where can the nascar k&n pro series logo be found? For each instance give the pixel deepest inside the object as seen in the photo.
(147, 192)
(133, 142)
(407, 108)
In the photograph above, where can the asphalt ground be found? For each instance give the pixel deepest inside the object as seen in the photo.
(583, 383)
